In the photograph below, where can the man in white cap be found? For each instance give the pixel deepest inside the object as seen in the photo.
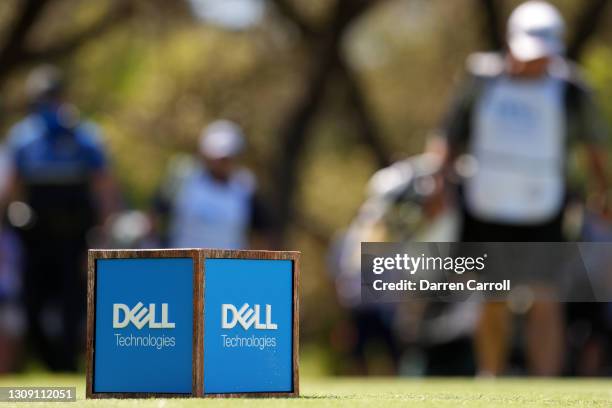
(214, 203)
(508, 135)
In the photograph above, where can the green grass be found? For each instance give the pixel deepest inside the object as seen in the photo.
(376, 392)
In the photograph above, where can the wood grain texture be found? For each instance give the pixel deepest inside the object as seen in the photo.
(93, 256)
(202, 324)
(294, 257)
(198, 326)
(91, 322)
(198, 256)
(296, 325)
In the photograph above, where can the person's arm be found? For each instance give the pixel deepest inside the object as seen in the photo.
(589, 127)
(6, 195)
(104, 188)
(263, 234)
(597, 159)
(456, 126)
(106, 194)
(10, 186)
(159, 214)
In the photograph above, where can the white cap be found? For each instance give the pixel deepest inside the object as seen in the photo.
(535, 30)
(221, 139)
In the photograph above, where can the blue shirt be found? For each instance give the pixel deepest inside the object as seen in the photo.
(56, 169)
(58, 159)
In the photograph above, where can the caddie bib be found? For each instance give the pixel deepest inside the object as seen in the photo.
(518, 143)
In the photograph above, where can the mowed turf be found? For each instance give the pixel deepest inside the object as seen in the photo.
(374, 392)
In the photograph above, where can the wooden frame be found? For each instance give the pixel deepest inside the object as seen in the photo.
(271, 255)
(198, 256)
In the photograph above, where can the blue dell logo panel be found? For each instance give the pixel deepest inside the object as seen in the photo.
(144, 325)
(248, 325)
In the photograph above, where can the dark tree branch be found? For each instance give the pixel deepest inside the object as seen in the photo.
(287, 9)
(363, 118)
(117, 13)
(587, 24)
(492, 27)
(326, 59)
(12, 51)
(16, 54)
(356, 98)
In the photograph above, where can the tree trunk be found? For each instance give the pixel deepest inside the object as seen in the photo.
(587, 24)
(492, 27)
(326, 58)
(362, 115)
(14, 44)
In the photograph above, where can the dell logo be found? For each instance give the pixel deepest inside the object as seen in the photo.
(140, 316)
(246, 316)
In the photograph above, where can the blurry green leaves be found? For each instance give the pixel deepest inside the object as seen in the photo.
(597, 66)
(153, 90)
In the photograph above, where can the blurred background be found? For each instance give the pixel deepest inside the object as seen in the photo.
(326, 93)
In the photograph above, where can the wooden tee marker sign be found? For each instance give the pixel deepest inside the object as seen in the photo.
(192, 323)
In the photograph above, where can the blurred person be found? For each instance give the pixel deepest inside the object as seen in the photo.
(508, 134)
(406, 202)
(589, 324)
(213, 202)
(62, 188)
